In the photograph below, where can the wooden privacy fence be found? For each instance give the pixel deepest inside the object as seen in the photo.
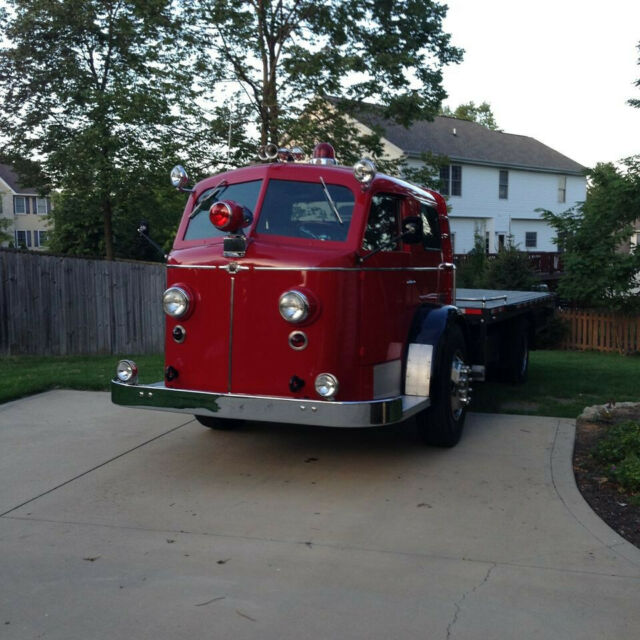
(72, 306)
(601, 331)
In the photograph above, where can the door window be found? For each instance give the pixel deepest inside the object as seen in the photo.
(383, 224)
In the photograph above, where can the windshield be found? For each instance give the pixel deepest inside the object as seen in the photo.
(244, 193)
(302, 210)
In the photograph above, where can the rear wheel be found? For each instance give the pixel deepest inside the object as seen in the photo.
(442, 423)
(221, 424)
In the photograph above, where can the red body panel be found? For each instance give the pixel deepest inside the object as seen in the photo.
(236, 340)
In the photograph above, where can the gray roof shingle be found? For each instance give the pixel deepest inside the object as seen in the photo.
(13, 180)
(470, 142)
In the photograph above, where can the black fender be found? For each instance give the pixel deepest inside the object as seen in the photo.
(428, 328)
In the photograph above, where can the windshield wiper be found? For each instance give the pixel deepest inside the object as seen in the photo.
(216, 191)
(332, 204)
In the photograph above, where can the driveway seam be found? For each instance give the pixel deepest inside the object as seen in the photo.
(94, 468)
(330, 545)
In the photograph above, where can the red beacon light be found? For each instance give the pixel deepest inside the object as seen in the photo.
(323, 153)
(229, 216)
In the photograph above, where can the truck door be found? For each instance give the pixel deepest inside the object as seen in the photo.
(386, 293)
(427, 256)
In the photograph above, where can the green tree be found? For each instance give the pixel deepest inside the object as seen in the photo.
(635, 102)
(482, 114)
(304, 65)
(5, 223)
(599, 271)
(511, 270)
(102, 91)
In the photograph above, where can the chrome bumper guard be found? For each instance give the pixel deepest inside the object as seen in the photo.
(266, 408)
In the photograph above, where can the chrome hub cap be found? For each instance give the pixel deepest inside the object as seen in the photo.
(460, 388)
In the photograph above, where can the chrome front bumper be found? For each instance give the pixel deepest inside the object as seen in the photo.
(268, 409)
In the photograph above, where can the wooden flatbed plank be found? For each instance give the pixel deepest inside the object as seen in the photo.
(494, 298)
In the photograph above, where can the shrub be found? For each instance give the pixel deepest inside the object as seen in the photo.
(619, 454)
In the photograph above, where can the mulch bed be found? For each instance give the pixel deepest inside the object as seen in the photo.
(605, 497)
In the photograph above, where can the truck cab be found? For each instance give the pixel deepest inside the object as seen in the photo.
(311, 293)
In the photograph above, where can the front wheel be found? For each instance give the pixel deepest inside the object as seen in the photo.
(221, 424)
(442, 423)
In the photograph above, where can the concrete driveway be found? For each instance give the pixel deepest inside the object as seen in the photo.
(119, 524)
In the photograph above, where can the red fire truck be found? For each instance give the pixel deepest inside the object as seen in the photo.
(311, 293)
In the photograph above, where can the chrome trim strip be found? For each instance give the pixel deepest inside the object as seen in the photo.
(261, 268)
(191, 266)
(346, 268)
(267, 408)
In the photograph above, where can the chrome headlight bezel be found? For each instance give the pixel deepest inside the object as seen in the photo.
(294, 306)
(326, 385)
(127, 372)
(176, 302)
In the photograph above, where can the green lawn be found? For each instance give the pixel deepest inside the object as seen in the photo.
(23, 375)
(561, 383)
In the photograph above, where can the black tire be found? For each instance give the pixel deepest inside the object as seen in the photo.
(442, 423)
(517, 359)
(221, 424)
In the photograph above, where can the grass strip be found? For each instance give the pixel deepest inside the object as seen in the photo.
(560, 384)
(25, 375)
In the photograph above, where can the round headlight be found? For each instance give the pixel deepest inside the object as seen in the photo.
(294, 306)
(127, 371)
(326, 385)
(175, 302)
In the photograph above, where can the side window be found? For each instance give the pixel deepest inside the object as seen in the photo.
(383, 223)
(430, 227)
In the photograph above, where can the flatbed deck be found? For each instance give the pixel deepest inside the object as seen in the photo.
(495, 304)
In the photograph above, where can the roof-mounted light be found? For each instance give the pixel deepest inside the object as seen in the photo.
(229, 216)
(364, 171)
(323, 153)
(179, 178)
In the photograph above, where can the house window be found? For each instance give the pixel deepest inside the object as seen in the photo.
(503, 186)
(453, 242)
(451, 180)
(562, 189)
(19, 204)
(42, 238)
(531, 239)
(41, 206)
(23, 239)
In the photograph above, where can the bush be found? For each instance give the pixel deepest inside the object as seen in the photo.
(511, 270)
(552, 334)
(619, 454)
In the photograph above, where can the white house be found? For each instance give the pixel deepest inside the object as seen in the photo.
(495, 180)
(25, 210)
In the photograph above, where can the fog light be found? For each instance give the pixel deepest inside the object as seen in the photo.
(127, 372)
(326, 385)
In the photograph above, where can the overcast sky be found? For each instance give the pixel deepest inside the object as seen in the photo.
(559, 71)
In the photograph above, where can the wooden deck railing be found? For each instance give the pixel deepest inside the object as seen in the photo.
(546, 262)
(601, 331)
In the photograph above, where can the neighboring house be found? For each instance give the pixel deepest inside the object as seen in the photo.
(25, 209)
(495, 180)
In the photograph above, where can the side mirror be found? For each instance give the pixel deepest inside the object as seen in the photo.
(412, 230)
